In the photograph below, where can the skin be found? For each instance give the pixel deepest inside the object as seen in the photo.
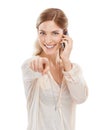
(51, 37)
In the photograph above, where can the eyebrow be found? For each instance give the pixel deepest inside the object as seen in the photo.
(55, 31)
(52, 31)
(41, 30)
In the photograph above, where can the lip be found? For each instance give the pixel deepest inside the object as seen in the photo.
(50, 46)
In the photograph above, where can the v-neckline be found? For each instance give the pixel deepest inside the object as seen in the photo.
(59, 85)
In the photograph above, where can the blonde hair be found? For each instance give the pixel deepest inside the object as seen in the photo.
(54, 14)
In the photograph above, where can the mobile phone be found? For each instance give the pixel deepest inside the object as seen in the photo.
(63, 44)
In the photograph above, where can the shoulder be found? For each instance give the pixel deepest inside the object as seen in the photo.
(27, 61)
(25, 67)
(76, 67)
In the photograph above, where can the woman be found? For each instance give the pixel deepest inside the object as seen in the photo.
(53, 84)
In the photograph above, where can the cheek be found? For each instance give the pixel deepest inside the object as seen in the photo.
(57, 40)
(41, 39)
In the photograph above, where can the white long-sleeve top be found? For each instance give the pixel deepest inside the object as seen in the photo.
(50, 106)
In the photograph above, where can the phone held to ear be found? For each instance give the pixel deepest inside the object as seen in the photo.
(63, 44)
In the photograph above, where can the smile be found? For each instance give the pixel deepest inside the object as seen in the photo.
(50, 46)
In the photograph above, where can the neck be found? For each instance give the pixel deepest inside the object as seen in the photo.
(53, 59)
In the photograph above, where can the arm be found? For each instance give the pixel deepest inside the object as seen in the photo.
(76, 84)
(28, 75)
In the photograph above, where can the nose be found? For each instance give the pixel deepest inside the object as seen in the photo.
(48, 39)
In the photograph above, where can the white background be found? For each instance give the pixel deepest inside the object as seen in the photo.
(88, 29)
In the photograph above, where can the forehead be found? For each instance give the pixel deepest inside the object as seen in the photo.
(49, 26)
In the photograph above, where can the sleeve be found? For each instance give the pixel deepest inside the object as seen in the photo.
(76, 84)
(28, 76)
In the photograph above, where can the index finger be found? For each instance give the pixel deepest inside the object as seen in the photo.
(45, 66)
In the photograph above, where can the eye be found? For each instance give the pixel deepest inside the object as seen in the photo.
(42, 33)
(55, 33)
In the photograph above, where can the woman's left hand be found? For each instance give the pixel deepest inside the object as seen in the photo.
(65, 53)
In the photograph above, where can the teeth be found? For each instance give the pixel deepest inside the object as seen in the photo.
(49, 46)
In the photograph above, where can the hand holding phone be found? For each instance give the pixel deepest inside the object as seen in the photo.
(66, 47)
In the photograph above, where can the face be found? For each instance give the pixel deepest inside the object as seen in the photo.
(50, 36)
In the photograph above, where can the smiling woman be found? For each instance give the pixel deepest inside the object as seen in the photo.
(53, 84)
(57, 19)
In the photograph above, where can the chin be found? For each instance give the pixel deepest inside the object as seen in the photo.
(50, 52)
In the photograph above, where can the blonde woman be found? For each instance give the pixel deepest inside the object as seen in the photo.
(53, 84)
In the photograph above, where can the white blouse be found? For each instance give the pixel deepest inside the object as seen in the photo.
(50, 106)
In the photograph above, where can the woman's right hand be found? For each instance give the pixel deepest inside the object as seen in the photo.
(40, 64)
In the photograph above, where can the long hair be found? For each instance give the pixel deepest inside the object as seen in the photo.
(51, 14)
